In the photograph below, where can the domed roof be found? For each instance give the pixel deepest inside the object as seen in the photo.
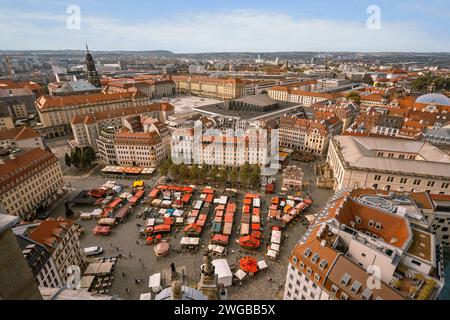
(434, 98)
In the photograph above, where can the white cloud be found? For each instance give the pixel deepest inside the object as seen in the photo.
(236, 30)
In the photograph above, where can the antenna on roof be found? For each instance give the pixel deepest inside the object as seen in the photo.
(87, 48)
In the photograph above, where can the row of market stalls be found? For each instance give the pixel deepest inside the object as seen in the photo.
(273, 249)
(287, 209)
(197, 218)
(99, 275)
(251, 222)
(115, 209)
(169, 202)
(118, 170)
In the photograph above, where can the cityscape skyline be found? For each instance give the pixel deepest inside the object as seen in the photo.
(405, 26)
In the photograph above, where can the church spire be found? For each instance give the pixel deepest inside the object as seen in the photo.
(93, 76)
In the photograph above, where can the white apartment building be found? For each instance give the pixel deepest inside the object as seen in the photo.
(41, 263)
(389, 164)
(60, 237)
(28, 181)
(220, 149)
(140, 149)
(355, 250)
(21, 138)
(56, 112)
(311, 136)
(86, 127)
(305, 98)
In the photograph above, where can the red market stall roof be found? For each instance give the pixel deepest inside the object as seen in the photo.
(256, 234)
(248, 201)
(102, 230)
(252, 196)
(221, 207)
(229, 218)
(169, 221)
(161, 228)
(209, 198)
(249, 265)
(246, 209)
(249, 242)
(97, 193)
(194, 213)
(256, 211)
(186, 198)
(115, 203)
(134, 200)
(231, 207)
(193, 228)
(256, 227)
(139, 194)
(218, 219)
(220, 238)
(106, 212)
(201, 223)
(208, 191)
(123, 212)
(154, 193)
(219, 213)
(203, 217)
(163, 187)
(131, 170)
(187, 189)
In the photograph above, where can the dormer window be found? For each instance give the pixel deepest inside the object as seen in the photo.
(323, 264)
(356, 287)
(307, 253)
(346, 279)
(315, 258)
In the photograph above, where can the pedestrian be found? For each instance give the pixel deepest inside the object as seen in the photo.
(123, 274)
(129, 255)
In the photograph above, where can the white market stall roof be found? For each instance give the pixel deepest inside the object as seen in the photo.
(154, 282)
(262, 265)
(186, 241)
(146, 296)
(240, 274)
(222, 269)
(272, 254)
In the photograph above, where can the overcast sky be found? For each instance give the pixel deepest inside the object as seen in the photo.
(185, 26)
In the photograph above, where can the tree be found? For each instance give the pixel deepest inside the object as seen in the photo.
(203, 173)
(183, 171)
(174, 170)
(194, 172)
(76, 157)
(234, 176)
(244, 175)
(165, 167)
(87, 156)
(255, 176)
(68, 160)
(213, 172)
(354, 96)
(223, 176)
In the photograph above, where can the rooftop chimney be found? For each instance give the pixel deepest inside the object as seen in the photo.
(12, 157)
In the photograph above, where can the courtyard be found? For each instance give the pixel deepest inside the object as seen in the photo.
(137, 260)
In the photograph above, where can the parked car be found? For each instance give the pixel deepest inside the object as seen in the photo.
(92, 251)
(44, 215)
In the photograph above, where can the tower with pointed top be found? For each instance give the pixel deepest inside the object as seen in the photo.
(93, 76)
